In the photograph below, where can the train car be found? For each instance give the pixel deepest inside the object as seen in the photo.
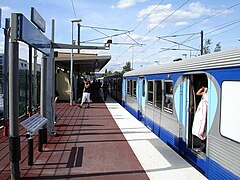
(164, 98)
(115, 86)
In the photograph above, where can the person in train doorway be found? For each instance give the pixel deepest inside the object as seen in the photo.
(86, 93)
(200, 117)
(105, 90)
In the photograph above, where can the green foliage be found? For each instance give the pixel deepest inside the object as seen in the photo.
(127, 67)
(218, 47)
(207, 47)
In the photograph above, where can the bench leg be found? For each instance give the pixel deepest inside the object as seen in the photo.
(45, 134)
(30, 151)
(40, 140)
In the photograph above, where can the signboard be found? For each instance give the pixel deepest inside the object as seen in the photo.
(31, 35)
(37, 19)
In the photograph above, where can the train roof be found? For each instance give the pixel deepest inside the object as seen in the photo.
(214, 60)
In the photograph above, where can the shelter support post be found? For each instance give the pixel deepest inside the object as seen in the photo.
(14, 139)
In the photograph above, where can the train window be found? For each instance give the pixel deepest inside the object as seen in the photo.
(143, 88)
(230, 115)
(150, 92)
(158, 94)
(129, 87)
(134, 88)
(168, 96)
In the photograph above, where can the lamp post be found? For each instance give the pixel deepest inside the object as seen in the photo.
(71, 68)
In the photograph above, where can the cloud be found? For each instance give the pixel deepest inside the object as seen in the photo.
(122, 4)
(180, 17)
(182, 23)
(5, 8)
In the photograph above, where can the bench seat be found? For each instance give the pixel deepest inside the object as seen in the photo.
(34, 123)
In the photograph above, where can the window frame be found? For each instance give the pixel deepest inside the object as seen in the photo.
(152, 92)
(156, 92)
(167, 109)
(220, 119)
(134, 89)
(128, 87)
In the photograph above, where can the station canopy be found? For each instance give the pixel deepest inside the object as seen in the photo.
(82, 63)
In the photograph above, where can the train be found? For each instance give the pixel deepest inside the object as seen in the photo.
(115, 86)
(163, 97)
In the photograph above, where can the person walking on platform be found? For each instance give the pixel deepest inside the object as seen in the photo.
(86, 93)
(105, 90)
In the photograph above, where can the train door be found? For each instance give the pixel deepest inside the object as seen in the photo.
(141, 98)
(195, 143)
(124, 90)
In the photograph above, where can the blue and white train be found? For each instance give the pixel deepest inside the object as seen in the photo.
(164, 98)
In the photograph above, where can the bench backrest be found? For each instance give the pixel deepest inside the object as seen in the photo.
(34, 123)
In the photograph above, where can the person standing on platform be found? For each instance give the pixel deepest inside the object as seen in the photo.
(105, 90)
(86, 93)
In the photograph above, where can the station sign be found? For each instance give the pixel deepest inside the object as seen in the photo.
(31, 35)
(37, 19)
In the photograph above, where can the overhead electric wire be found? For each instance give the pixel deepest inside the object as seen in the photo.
(166, 18)
(143, 20)
(159, 24)
(148, 14)
(226, 31)
(90, 40)
(104, 28)
(74, 9)
(220, 27)
(208, 17)
(197, 23)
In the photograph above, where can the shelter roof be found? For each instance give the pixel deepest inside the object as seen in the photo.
(82, 62)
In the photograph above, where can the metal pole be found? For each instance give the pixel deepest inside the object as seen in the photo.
(79, 26)
(201, 42)
(43, 103)
(30, 82)
(35, 79)
(26, 92)
(71, 72)
(14, 139)
(43, 86)
(30, 151)
(5, 75)
(132, 56)
(40, 140)
(53, 75)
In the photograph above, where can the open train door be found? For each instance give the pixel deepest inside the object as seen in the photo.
(184, 110)
(141, 98)
(191, 145)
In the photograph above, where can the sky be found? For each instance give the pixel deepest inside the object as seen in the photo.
(144, 32)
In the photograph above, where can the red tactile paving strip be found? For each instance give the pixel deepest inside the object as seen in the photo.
(89, 146)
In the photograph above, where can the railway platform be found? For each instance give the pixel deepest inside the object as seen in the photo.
(100, 142)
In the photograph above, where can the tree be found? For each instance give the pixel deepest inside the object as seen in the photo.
(206, 47)
(127, 67)
(218, 47)
(107, 73)
(116, 72)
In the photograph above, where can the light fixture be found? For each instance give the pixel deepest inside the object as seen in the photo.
(107, 45)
